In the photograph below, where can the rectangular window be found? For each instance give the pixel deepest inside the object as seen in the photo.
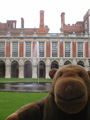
(80, 49)
(28, 49)
(67, 49)
(41, 49)
(54, 49)
(14, 49)
(2, 49)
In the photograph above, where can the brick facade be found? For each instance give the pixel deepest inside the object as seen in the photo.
(21, 51)
(75, 35)
(86, 49)
(74, 49)
(61, 48)
(35, 49)
(48, 49)
(7, 49)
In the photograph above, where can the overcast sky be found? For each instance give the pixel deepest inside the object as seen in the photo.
(30, 11)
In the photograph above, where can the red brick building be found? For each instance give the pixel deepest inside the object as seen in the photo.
(32, 52)
(80, 27)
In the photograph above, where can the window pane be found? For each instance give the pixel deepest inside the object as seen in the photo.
(28, 49)
(67, 49)
(54, 49)
(80, 49)
(14, 49)
(41, 49)
(2, 49)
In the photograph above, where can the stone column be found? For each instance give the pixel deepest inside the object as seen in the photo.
(86, 64)
(34, 68)
(47, 68)
(74, 61)
(61, 62)
(21, 68)
(8, 69)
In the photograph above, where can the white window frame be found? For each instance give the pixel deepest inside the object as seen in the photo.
(4, 48)
(12, 48)
(70, 48)
(39, 50)
(25, 48)
(83, 48)
(57, 49)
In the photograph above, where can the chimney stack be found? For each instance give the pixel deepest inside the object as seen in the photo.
(41, 19)
(63, 18)
(22, 23)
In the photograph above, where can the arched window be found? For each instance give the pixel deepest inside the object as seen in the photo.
(14, 69)
(81, 63)
(28, 69)
(41, 69)
(2, 69)
(67, 62)
(54, 64)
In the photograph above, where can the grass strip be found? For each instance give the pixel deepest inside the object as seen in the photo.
(11, 101)
(23, 80)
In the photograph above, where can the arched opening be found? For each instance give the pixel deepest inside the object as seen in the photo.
(81, 63)
(67, 62)
(14, 69)
(28, 69)
(41, 70)
(2, 69)
(54, 64)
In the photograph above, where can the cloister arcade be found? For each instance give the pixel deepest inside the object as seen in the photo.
(2, 69)
(28, 67)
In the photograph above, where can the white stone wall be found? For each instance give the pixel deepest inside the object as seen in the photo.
(46, 60)
(34, 62)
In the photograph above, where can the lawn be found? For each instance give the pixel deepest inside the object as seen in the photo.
(11, 101)
(23, 80)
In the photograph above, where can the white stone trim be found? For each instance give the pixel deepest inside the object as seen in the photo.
(45, 49)
(50, 49)
(31, 48)
(18, 48)
(5, 49)
(58, 48)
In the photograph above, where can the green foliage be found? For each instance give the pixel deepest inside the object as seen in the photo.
(23, 80)
(11, 101)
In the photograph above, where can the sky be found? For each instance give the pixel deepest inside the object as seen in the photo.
(30, 11)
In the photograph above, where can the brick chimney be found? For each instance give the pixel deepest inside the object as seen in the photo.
(22, 23)
(62, 20)
(41, 19)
